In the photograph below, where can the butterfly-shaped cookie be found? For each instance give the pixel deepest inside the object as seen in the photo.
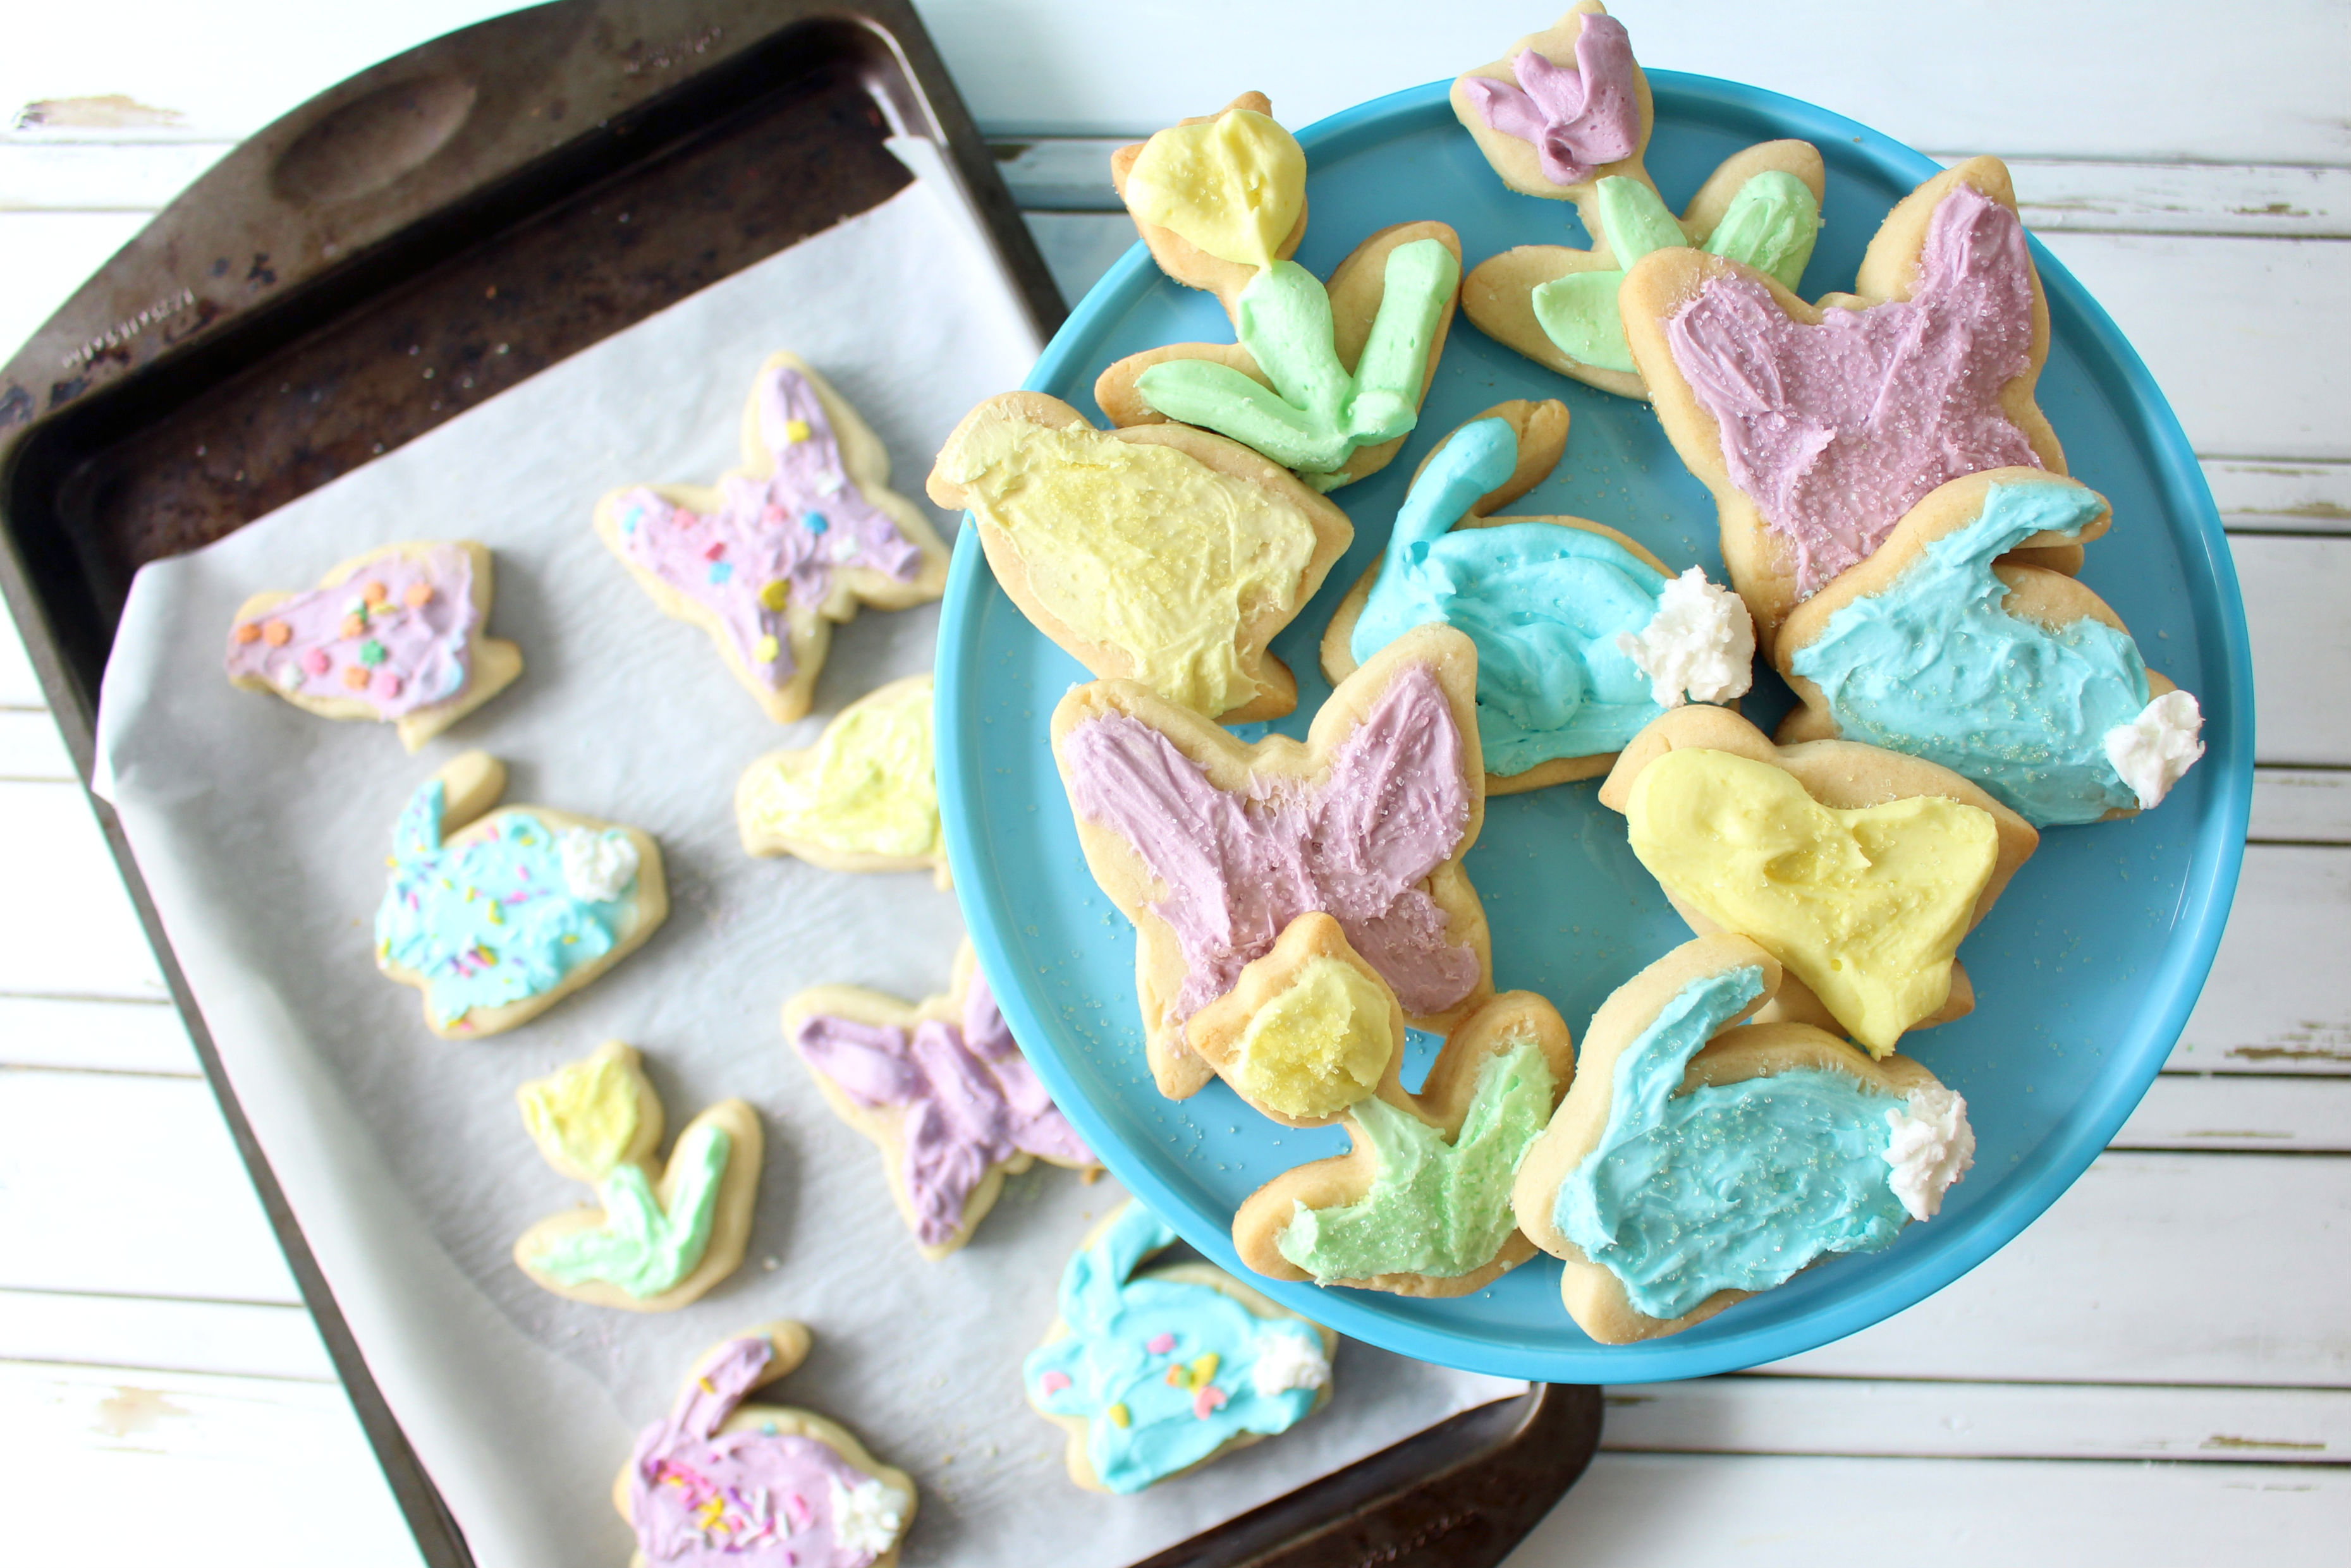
(942, 1092)
(1421, 1205)
(664, 1234)
(1163, 554)
(1566, 115)
(1817, 426)
(1212, 847)
(1583, 636)
(395, 635)
(1859, 869)
(1325, 379)
(498, 918)
(725, 1478)
(1699, 1159)
(1155, 1373)
(865, 797)
(779, 549)
(2015, 676)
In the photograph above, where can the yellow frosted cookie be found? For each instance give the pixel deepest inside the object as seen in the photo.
(865, 797)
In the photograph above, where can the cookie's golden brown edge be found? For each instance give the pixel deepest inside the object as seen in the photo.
(761, 840)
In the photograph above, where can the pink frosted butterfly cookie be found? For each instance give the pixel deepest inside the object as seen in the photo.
(395, 635)
(796, 539)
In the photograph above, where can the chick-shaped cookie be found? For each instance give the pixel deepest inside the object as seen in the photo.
(496, 916)
(767, 560)
(942, 1092)
(865, 797)
(2008, 674)
(725, 1479)
(1697, 1160)
(1817, 427)
(1163, 554)
(1157, 1373)
(1212, 847)
(1858, 869)
(1325, 379)
(1583, 636)
(662, 1236)
(395, 635)
(1566, 115)
(1421, 1205)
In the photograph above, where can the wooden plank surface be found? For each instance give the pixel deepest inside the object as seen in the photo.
(2277, 1001)
(160, 1334)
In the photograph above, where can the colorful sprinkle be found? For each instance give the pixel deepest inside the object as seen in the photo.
(354, 626)
(720, 572)
(374, 593)
(417, 595)
(1052, 1383)
(250, 631)
(371, 652)
(1160, 1343)
(316, 660)
(796, 430)
(814, 522)
(1118, 1416)
(276, 634)
(386, 685)
(355, 677)
(1208, 1402)
(717, 548)
(764, 649)
(776, 595)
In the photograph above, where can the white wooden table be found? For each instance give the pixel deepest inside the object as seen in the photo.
(2158, 1371)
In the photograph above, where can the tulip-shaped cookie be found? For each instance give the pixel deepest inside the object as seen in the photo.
(1212, 847)
(1421, 1205)
(942, 1092)
(865, 797)
(1583, 636)
(1566, 115)
(727, 1480)
(767, 560)
(1817, 427)
(395, 635)
(664, 1235)
(1326, 381)
(1695, 1163)
(1155, 1373)
(1164, 555)
(497, 917)
(1858, 869)
(2008, 674)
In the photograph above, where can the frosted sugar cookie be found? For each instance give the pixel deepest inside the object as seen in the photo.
(1566, 115)
(800, 535)
(865, 797)
(1154, 1374)
(497, 917)
(1817, 427)
(1325, 379)
(1163, 555)
(942, 1092)
(1859, 870)
(1695, 1163)
(395, 635)
(1583, 636)
(1212, 847)
(725, 1480)
(664, 1234)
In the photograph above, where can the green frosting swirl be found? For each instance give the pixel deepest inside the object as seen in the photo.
(641, 1247)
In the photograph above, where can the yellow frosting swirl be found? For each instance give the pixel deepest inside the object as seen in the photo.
(1866, 906)
(1139, 548)
(1320, 1045)
(1232, 185)
(871, 788)
(584, 1115)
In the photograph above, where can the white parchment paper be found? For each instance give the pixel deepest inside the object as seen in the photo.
(262, 832)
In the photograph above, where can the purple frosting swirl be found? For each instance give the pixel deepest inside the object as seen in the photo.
(1578, 119)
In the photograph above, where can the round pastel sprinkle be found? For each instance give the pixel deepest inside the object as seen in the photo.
(1160, 1343)
(354, 625)
(386, 685)
(250, 631)
(417, 595)
(1052, 1383)
(1206, 1403)
(764, 649)
(796, 430)
(777, 595)
(289, 676)
(372, 653)
(814, 522)
(374, 593)
(276, 634)
(720, 570)
(355, 677)
(316, 660)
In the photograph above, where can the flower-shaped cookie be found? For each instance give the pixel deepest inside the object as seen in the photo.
(1583, 636)
(1566, 115)
(724, 1480)
(942, 1092)
(394, 635)
(1212, 847)
(1696, 1161)
(2005, 673)
(498, 918)
(779, 549)
(1221, 202)
(1858, 869)
(1164, 555)
(663, 1235)
(865, 797)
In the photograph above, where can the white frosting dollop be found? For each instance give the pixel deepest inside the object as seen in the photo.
(597, 867)
(1289, 1358)
(1701, 642)
(1932, 1146)
(2154, 749)
(868, 1517)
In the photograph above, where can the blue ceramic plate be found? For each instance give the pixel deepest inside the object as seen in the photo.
(2085, 973)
